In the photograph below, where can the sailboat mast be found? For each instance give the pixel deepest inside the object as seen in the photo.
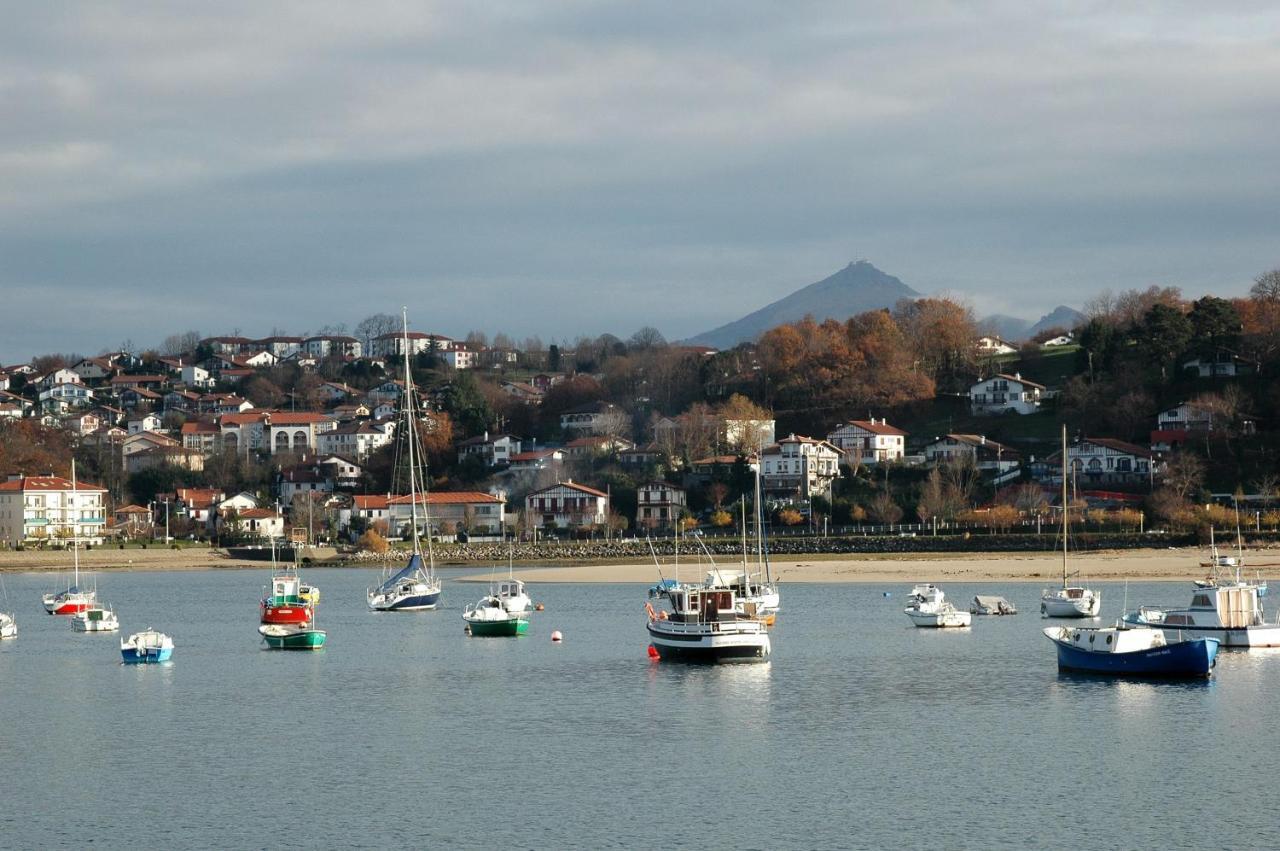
(1064, 505)
(410, 425)
(75, 527)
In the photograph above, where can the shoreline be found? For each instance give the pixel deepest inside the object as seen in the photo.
(1151, 565)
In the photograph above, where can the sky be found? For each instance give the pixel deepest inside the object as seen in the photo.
(568, 168)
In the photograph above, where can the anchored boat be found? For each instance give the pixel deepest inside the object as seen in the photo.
(146, 646)
(929, 608)
(1231, 614)
(491, 617)
(1069, 601)
(72, 600)
(96, 618)
(705, 626)
(287, 637)
(1132, 651)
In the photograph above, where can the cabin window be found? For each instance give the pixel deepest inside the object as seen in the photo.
(1109, 639)
(1201, 600)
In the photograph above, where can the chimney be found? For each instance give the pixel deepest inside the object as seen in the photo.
(982, 438)
(1018, 375)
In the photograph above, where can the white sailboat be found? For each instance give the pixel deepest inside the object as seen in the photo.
(8, 626)
(1069, 601)
(71, 601)
(416, 586)
(755, 593)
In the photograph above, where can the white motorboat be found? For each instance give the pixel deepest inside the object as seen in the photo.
(1069, 601)
(146, 646)
(704, 626)
(8, 627)
(1232, 614)
(96, 618)
(929, 608)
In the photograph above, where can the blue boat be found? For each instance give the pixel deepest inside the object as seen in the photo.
(1132, 652)
(146, 646)
(412, 589)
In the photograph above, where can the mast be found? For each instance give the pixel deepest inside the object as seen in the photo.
(75, 529)
(411, 436)
(1064, 505)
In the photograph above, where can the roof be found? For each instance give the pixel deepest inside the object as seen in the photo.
(447, 498)
(199, 427)
(46, 483)
(199, 496)
(366, 502)
(138, 379)
(288, 418)
(1017, 378)
(240, 418)
(258, 514)
(572, 486)
(533, 454)
(810, 441)
(132, 509)
(152, 437)
(1119, 446)
(979, 441)
(876, 427)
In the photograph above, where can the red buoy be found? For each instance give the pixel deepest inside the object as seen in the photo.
(556, 636)
(653, 652)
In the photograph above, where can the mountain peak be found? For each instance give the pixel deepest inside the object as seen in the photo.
(856, 288)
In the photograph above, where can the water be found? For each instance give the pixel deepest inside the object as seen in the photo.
(862, 732)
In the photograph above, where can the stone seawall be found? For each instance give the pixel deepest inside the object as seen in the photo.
(638, 551)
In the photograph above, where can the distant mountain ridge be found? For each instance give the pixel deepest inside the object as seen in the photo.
(1015, 329)
(855, 289)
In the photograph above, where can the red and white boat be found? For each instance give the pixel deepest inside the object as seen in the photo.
(287, 601)
(72, 601)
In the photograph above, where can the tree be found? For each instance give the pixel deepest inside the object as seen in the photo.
(1165, 333)
(372, 542)
(740, 421)
(647, 338)
(884, 509)
(1215, 323)
(721, 519)
(790, 517)
(1183, 474)
(372, 327)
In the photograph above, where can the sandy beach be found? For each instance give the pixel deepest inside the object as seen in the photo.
(1118, 565)
(1103, 566)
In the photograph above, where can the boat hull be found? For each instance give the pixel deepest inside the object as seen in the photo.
(955, 619)
(291, 614)
(104, 624)
(145, 656)
(8, 627)
(1265, 635)
(496, 629)
(1188, 659)
(63, 606)
(710, 647)
(293, 639)
(1058, 607)
(407, 602)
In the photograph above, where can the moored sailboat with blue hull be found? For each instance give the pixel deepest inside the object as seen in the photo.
(410, 590)
(1131, 652)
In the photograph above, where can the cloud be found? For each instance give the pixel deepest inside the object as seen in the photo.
(571, 167)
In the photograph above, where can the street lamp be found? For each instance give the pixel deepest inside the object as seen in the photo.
(166, 520)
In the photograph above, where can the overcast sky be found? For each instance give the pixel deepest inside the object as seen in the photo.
(564, 168)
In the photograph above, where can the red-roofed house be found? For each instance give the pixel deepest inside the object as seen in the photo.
(37, 509)
(568, 505)
(450, 512)
(868, 442)
(800, 467)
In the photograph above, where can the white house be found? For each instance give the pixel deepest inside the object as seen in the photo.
(595, 418)
(459, 358)
(1060, 340)
(37, 509)
(659, 505)
(450, 512)
(800, 467)
(58, 376)
(493, 450)
(868, 442)
(140, 441)
(65, 396)
(196, 376)
(336, 345)
(1002, 393)
(536, 459)
(281, 347)
(94, 369)
(289, 431)
(568, 505)
(256, 523)
(994, 346)
(357, 439)
(1218, 365)
(147, 422)
(1105, 461)
(988, 455)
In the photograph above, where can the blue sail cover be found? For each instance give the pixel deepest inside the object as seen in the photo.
(412, 570)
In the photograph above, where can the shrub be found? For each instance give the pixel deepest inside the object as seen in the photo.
(373, 542)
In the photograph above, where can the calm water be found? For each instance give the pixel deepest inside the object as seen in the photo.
(862, 731)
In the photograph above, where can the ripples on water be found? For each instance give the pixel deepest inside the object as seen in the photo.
(862, 732)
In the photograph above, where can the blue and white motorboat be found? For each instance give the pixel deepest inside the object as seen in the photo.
(146, 646)
(1232, 614)
(1134, 651)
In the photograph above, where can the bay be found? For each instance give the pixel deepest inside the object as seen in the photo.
(862, 732)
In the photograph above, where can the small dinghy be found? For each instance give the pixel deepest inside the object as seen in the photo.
(986, 605)
(280, 636)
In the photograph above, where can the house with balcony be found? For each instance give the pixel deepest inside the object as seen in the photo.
(357, 439)
(459, 358)
(295, 431)
(1003, 393)
(492, 450)
(332, 345)
(449, 512)
(1105, 461)
(50, 510)
(799, 468)
(64, 397)
(568, 505)
(595, 418)
(870, 442)
(659, 505)
(987, 455)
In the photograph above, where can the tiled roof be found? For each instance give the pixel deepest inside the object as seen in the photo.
(46, 483)
(877, 428)
(572, 486)
(447, 498)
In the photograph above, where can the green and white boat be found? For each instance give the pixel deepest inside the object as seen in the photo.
(279, 636)
(491, 617)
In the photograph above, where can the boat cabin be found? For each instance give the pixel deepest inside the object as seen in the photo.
(509, 588)
(1112, 639)
(1233, 607)
(703, 604)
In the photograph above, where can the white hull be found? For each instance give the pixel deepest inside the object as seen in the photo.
(722, 640)
(1055, 606)
(1248, 636)
(8, 628)
(953, 618)
(105, 620)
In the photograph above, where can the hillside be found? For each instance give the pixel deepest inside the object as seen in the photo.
(855, 289)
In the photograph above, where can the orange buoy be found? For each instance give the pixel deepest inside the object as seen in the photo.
(653, 652)
(539, 607)
(556, 636)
